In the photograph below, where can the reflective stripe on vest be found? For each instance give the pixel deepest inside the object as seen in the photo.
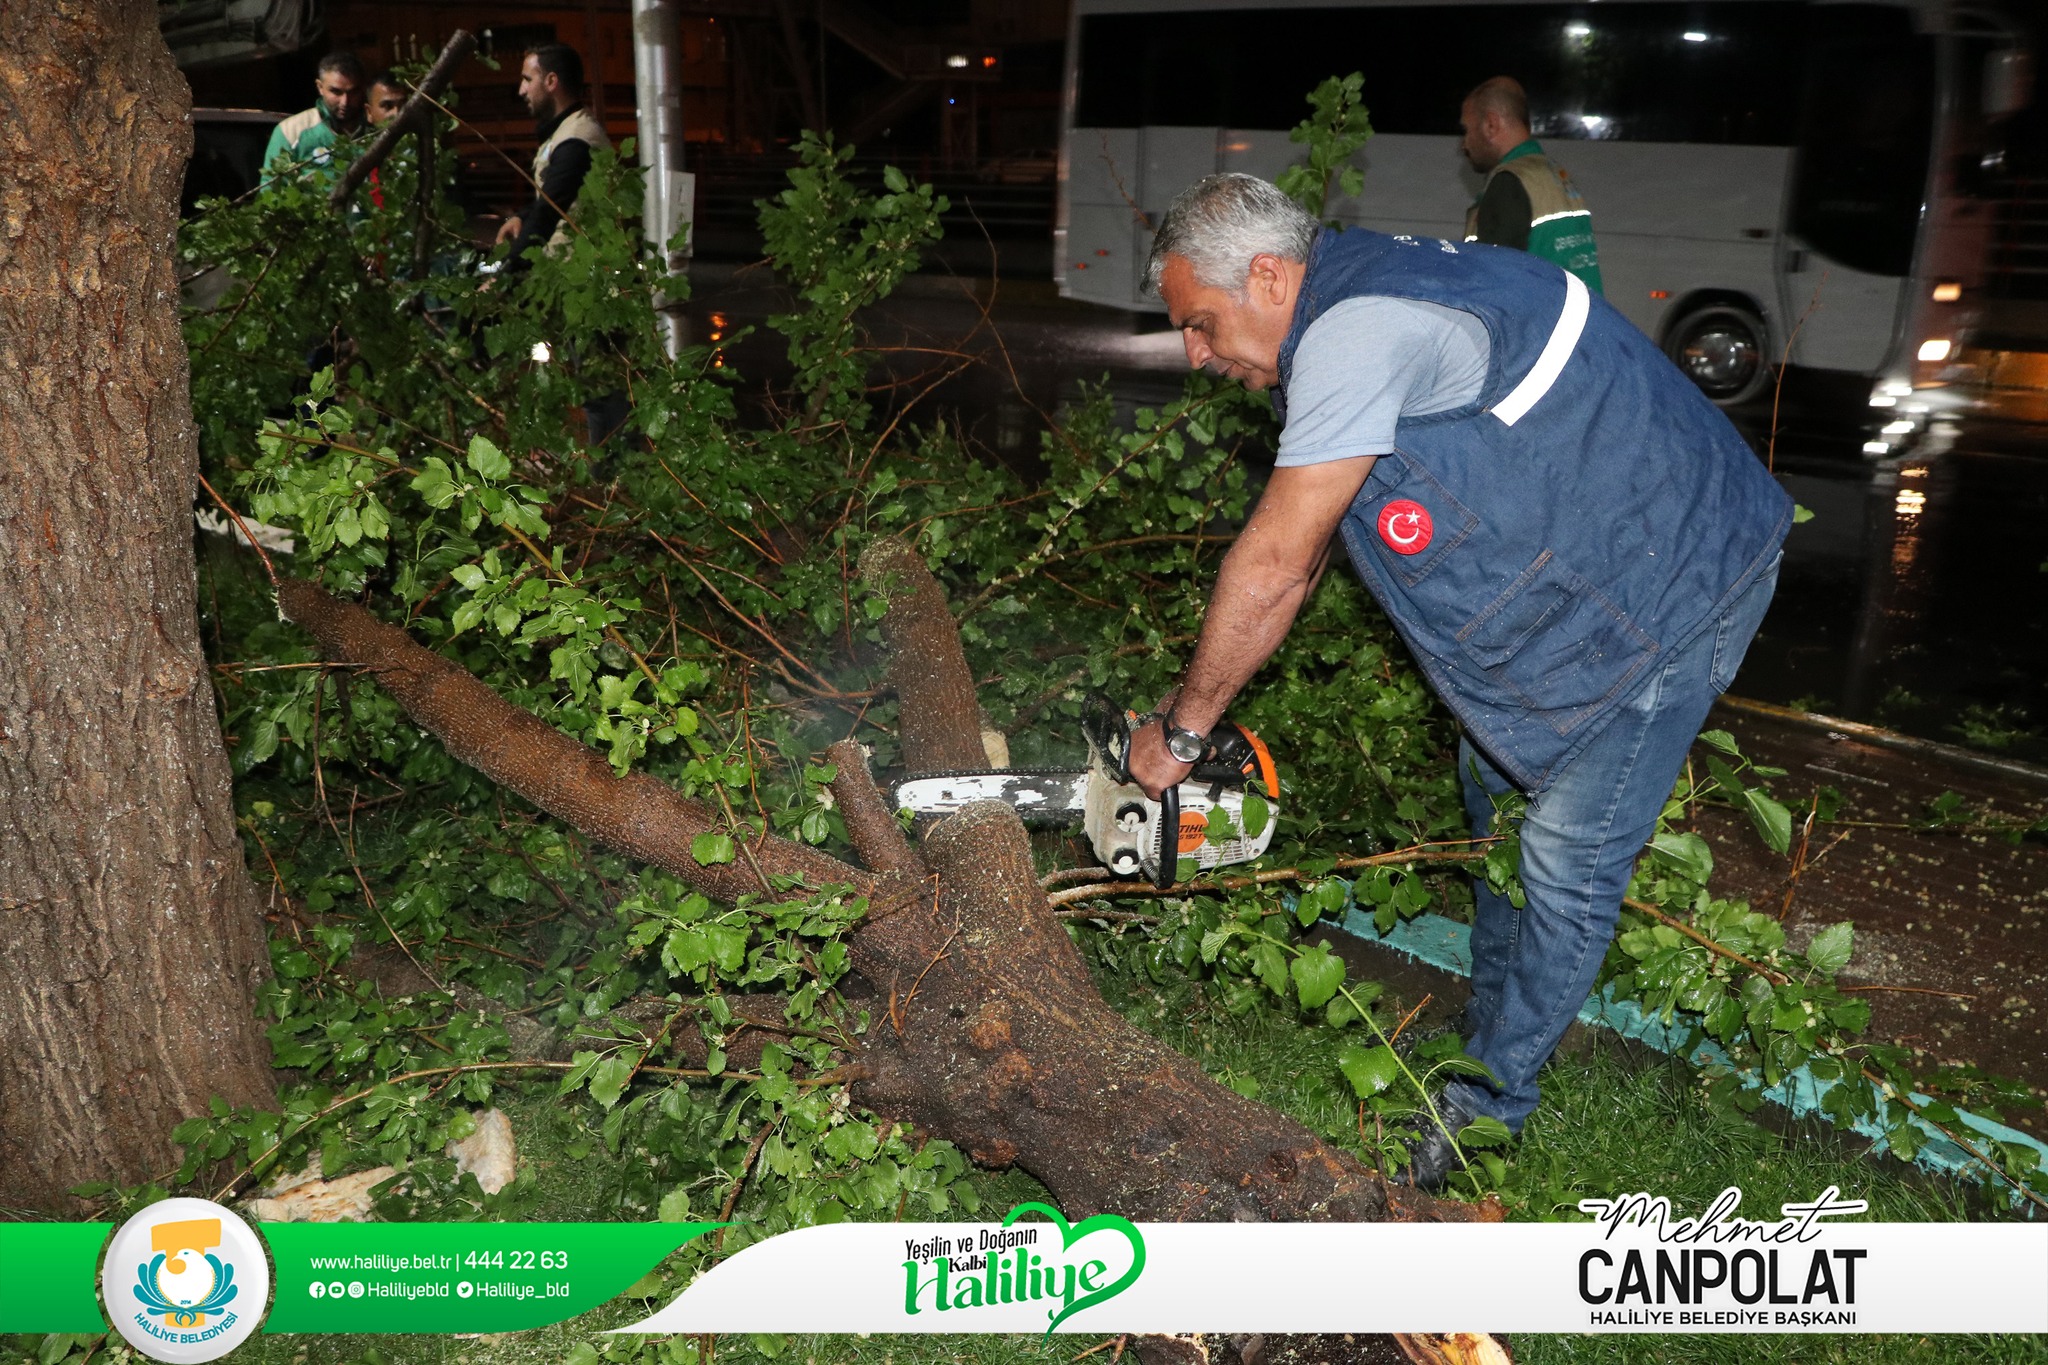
(1550, 364)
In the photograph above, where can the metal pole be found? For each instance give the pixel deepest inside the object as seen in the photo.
(657, 77)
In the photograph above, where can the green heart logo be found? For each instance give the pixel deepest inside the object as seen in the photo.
(1072, 1233)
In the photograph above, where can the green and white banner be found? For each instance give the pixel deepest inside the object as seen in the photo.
(186, 1280)
(1635, 1268)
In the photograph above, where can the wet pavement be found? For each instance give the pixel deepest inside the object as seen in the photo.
(1915, 599)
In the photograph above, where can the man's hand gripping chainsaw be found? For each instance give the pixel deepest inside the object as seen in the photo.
(1126, 827)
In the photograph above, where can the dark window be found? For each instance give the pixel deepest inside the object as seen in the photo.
(1620, 71)
(1861, 169)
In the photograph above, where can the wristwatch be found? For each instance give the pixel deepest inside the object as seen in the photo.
(1185, 745)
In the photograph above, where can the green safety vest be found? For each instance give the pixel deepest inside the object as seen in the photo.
(1560, 224)
(302, 142)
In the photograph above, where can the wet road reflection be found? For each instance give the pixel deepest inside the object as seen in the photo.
(1915, 598)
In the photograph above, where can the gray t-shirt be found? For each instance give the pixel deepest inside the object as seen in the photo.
(1368, 361)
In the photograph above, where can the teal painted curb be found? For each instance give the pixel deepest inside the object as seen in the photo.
(1447, 945)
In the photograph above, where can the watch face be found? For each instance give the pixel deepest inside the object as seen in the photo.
(1184, 746)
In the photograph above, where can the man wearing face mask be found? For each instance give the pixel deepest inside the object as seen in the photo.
(1572, 541)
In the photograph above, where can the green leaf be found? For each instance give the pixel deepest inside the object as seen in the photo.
(1484, 1131)
(1256, 812)
(1721, 740)
(728, 945)
(580, 1067)
(1370, 1070)
(1831, 947)
(1851, 1016)
(896, 181)
(1687, 853)
(608, 1081)
(1801, 514)
(1317, 974)
(487, 460)
(712, 849)
(1270, 965)
(1325, 898)
(1772, 820)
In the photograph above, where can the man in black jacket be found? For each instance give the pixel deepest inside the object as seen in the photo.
(551, 83)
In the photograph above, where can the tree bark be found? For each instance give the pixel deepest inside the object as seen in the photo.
(939, 720)
(131, 942)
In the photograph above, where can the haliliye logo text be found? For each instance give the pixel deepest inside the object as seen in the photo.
(1013, 1264)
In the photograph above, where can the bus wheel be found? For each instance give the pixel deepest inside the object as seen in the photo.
(1721, 348)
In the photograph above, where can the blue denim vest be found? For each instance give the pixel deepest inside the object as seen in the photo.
(1540, 550)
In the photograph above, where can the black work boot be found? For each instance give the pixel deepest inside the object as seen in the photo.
(1434, 1156)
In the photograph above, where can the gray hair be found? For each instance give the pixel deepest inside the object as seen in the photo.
(1221, 221)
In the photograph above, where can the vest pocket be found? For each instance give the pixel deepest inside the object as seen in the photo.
(1556, 644)
(1398, 479)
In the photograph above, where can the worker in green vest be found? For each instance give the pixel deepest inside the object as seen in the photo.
(306, 140)
(1529, 202)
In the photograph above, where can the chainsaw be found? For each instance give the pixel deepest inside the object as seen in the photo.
(1128, 829)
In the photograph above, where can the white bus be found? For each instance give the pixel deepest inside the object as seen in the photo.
(1756, 168)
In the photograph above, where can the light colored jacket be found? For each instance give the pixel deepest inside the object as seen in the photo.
(577, 126)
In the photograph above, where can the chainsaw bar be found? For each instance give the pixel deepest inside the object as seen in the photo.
(1202, 820)
(1050, 796)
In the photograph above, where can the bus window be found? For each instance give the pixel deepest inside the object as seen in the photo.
(1861, 170)
(1711, 71)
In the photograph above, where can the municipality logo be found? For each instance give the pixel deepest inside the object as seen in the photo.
(185, 1280)
(983, 1267)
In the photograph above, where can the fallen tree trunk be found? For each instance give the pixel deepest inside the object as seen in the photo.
(994, 1036)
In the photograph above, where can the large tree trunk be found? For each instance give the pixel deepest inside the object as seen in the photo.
(131, 943)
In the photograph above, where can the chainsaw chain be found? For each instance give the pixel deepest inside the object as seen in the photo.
(990, 772)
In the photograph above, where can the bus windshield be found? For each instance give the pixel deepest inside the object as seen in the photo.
(1726, 71)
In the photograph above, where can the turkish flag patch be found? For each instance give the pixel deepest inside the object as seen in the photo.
(1406, 527)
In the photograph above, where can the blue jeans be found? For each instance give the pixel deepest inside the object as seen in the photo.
(1533, 968)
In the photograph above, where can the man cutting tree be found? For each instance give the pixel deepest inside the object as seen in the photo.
(1575, 545)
